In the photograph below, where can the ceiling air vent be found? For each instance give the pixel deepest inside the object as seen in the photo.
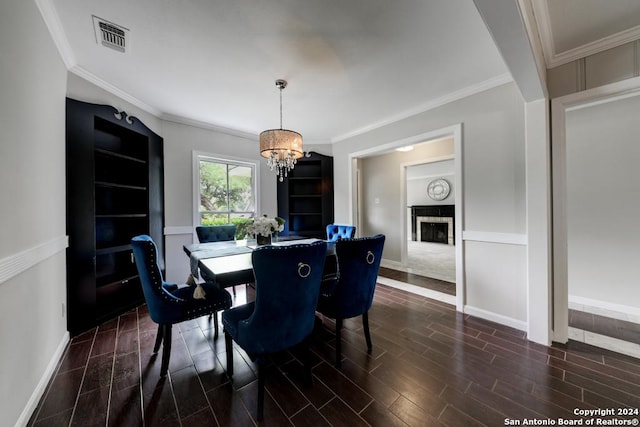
(111, 35)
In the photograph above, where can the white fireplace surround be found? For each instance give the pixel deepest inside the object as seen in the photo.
(435, 219)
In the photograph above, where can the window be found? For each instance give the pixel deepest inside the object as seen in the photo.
(226, 192)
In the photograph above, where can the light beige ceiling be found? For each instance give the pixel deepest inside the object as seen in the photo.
(351, 66)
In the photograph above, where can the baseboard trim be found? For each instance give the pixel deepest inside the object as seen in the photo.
(418, 290)
(15, 264)
(606, 309)
(41, 388)
(602, 341)
(494, 317)
(395, 265)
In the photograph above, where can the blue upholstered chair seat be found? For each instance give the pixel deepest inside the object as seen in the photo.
(236, 315)
(351, 294)
(216, 299)
(283, 314)
(170, 303)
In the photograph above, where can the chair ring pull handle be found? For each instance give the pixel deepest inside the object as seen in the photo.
(370, 257)
(304, 270)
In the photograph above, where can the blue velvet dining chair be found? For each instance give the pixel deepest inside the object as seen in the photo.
(169, 303)
(215, 233)
(336, 232)
(287, 280)
(351, 294)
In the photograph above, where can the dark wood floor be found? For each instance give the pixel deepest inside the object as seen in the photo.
(430, 366)
(615, 328)
(424, 282)
(605, 326)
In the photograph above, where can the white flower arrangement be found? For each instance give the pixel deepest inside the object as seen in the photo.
(265, 226)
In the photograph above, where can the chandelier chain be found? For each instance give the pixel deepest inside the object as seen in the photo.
(281, 106)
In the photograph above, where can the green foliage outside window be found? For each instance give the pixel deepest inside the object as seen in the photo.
(226, 195)
(241, 224)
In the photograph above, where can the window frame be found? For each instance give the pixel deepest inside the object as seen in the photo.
(219, 158)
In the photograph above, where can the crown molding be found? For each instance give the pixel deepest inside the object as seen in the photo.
(208, 126)
(52, 21)
(554, 59)
(226, 130)
(438, 102)
(92, 78)
(597, 46)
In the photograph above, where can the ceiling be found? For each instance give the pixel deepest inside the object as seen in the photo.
(351, 66)
(572, 29)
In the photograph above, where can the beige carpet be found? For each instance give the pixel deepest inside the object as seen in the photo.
(435, 260)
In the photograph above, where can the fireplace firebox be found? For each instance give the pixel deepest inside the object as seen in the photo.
(435, 232)
(435, 223)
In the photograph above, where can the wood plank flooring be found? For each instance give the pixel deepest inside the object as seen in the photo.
(424, 282)
(606, 326)
(430, 366)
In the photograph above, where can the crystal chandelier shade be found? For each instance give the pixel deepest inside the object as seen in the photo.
(281, 147)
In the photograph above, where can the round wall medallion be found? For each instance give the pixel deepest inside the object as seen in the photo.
(438, 189)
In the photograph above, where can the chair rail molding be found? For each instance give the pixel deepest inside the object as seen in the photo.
(495, 237)
(179, 229)
(15, 264)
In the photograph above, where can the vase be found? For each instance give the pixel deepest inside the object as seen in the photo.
(263, 240)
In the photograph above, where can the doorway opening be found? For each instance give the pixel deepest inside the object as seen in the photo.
(431, 219)
(381, 178)
(595, 268)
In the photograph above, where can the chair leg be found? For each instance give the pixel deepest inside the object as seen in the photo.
(261, 368)
(307, 361)
(338, 343)
(365, 326)
(215, 324)
(156, 346)
(228, 344)
(166, 349)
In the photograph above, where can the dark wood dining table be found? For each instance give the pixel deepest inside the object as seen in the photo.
(230, 262)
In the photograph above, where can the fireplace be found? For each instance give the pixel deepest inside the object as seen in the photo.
(435, 232)
(437, 229)
(433, 224)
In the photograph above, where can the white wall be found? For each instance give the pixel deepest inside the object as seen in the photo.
(420, 176)
(32, 211)
(603, 203)
(494, 196)
(180, 141)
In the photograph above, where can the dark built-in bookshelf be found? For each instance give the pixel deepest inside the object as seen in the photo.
(114, 192)
(305, 197)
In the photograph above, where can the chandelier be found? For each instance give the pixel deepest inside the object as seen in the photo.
(281, 147)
